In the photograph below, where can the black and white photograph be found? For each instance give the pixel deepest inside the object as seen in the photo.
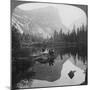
(49, 43)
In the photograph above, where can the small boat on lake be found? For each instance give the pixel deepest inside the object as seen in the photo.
(45, 57)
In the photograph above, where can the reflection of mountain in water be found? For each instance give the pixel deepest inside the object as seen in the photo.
(44, 77)
(49, 73)
(57, 74)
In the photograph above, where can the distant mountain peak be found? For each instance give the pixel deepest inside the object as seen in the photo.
(41, 20)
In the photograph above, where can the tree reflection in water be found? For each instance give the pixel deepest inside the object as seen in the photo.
(51, 73)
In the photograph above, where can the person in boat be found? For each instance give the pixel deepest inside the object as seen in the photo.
(49, 57)
(44, 51)
(51, 52)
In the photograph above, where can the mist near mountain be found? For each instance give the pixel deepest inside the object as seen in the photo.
(42, 21)
(78, 23)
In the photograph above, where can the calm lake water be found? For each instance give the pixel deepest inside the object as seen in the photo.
(57, 74)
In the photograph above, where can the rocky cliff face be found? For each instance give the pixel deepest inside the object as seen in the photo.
(41, 22)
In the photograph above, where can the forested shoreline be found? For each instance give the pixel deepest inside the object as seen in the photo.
(78, 36)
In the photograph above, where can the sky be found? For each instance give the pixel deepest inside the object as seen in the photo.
(68, 14)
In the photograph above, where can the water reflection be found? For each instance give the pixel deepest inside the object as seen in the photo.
(47, 72)
(66, 61)
(59, 75)
(56, 75)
